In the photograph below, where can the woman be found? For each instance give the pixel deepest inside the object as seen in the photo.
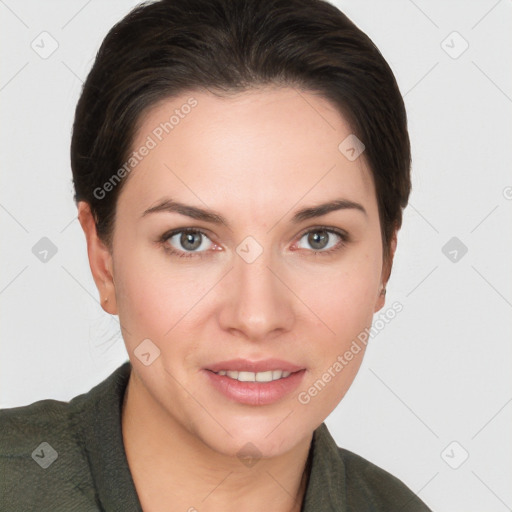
(240, 170)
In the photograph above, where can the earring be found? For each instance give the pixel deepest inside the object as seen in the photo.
(383, 291)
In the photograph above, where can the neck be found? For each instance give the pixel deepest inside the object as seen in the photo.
(169, 465)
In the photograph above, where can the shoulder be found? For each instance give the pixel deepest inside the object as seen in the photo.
(370, 487)
(19, 424)
(342, 480)
(43, 421)
(43, 460)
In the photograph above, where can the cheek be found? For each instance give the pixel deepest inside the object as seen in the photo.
(344, 295)
(144, 294)
(344, 300)
(156, 296)
(345, 308)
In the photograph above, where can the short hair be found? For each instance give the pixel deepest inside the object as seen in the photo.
(170, 47)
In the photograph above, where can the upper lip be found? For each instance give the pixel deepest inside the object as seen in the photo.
(245, 365)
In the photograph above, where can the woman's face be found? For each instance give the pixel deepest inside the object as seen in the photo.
(254, 287)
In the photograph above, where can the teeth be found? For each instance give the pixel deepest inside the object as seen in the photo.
(267, 376)
(246, 376)
(277, 374)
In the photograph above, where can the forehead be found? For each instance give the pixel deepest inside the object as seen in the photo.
(262, 146)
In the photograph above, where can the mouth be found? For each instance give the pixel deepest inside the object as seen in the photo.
(255, 382)
(268, 376)
(246, 366)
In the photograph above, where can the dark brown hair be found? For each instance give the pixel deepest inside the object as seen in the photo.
(169, 47)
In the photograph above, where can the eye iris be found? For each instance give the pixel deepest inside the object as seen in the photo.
(314, 238)
(189, 238)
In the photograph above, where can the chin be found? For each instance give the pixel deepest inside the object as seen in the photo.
(256, 439)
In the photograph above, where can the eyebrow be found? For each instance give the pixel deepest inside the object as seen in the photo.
(310, 212)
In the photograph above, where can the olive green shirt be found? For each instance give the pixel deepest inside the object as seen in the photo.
(69, 456)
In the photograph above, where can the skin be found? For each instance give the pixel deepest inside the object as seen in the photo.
(255, 158)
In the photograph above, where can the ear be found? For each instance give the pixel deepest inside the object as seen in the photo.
(100, 259)
(386, 272)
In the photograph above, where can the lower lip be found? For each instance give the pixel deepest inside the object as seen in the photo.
(255, 393)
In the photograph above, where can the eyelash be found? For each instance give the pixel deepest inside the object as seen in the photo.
(181, 254)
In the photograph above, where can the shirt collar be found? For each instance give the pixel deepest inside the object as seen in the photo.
(103, 443)
(325, 491)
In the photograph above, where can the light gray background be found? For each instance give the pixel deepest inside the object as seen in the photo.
(439, 372)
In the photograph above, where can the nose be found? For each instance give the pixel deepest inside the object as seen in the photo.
(257, 304)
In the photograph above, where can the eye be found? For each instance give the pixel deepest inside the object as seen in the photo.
(186, 242)
(324, 240)
(190, 242)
